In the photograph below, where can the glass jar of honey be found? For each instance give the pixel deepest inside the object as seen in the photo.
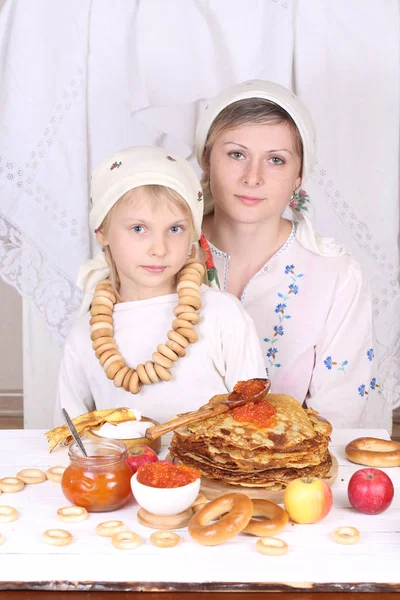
(99, 482)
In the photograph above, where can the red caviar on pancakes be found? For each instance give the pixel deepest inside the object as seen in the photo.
(249, 389)
(166, 475)
(261, 413)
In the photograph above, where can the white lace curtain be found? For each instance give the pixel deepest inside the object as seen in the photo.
(81, 79)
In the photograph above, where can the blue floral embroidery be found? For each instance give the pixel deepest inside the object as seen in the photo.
(362, 391)
(289, 269)
(373, 385)
(329, 363)
(279, 330)
(280, 308)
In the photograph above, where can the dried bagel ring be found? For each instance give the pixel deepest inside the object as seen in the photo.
(55, 473)
(159, 359)
(143, 375)
(126, 540)
(108, 329)
(149, 366)
(200, 501)
(186, 283)
(102, 292)
(11, 485)
(190, 334)
(175, 347)
(113, 358)
(31, 476)
(163, 373)
(100, 333)
(374, 452)
(276, 519)
(192, 317)
(100, 341)
(119, 377)
(235, 511)
(106, 355)
(183, 308)
(115, 363)
(110, 528)
(164, 539)
(72, 514)
(135, 385)
(178, 323)
(99, 300)
(189, 273)
(105, 282)
(100, 310)
(194, 264)
(191, 301)
(178, 338)
(100, 319)
(346, 535)
(166, 351)
(271, 546)
(127, 379)
(190, 270)
(107, 346)
(8, 514)
(57, 537)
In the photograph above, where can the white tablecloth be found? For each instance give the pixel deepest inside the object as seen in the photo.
(313, 558)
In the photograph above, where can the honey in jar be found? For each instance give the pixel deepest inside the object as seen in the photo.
(99, 482)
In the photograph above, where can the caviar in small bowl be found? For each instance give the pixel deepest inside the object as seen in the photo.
(164, 489)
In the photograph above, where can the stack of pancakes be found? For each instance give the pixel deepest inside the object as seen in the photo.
(295, 445)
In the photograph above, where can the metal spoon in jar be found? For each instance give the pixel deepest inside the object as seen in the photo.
(74, 432)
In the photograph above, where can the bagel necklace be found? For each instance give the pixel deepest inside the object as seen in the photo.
(179, 337)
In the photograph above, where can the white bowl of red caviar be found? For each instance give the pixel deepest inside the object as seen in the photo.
(164, 489)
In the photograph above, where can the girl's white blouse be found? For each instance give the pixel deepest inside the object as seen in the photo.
(312, 308)
(227, 351)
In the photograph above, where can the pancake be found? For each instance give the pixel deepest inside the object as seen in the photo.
(293, 444)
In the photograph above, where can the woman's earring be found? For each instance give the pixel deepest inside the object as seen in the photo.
(293, 196)
(103, 249)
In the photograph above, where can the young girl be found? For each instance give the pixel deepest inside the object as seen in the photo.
(155, 339)
(308, 297)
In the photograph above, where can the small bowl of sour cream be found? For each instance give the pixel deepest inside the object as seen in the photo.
(131, 433)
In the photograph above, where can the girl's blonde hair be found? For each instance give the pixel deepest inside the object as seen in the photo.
(157, 195)
(251, 111)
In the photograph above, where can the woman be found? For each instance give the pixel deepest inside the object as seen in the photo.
(307, 295)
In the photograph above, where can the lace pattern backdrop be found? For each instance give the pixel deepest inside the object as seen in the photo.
(82, 79)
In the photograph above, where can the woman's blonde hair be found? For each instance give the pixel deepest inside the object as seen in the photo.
(251, 111)
(156, 195)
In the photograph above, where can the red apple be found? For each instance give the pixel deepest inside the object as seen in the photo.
(370, 491)
(140, 455)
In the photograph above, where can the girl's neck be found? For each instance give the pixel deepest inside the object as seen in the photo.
(130, 292)
(252, 244)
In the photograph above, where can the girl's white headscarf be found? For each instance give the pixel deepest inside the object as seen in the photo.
(267, 90)
(124, 171)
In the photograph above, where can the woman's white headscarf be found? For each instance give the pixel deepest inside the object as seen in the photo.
(122, 172)
(285, 98)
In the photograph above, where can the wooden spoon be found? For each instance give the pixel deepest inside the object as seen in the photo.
(234, 399)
